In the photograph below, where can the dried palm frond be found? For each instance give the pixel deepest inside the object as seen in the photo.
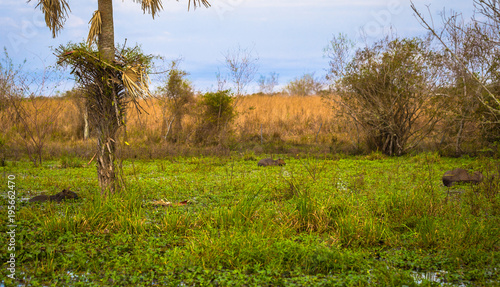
(136, 81)
(55, 12)
(95, 28)
(109, 87)
(204, 2)
(154, 6)
(150, 6)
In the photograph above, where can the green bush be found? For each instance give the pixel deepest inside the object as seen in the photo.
(218, 112)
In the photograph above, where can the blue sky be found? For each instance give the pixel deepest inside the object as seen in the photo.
(288, 36)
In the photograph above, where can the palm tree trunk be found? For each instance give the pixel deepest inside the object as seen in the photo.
(107, 126)
(107, 36)
(106, 163)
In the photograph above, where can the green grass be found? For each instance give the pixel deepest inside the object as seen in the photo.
(352, 221)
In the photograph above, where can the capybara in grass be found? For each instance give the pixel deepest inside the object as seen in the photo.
(461, 175)
(269, 161)
(63, 195)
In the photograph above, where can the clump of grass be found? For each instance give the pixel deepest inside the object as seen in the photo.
(242, 213)
(70, 162)
(249, 155)
(176, 222)
(357, 229)
(375, 155)
(426, 158)
(309, 214)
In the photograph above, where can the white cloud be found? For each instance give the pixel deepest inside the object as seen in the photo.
(75, 22)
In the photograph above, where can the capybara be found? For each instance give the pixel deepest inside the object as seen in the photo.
(269, 161)
(461, 175)
(63, 195)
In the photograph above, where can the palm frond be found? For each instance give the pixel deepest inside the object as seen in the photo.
(150, 6)
(109, 86)
(198, 3)
(55, 12)
(95, 28)
(136, 81)
(154, 6)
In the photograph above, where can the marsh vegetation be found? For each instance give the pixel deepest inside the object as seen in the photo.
(318, 221)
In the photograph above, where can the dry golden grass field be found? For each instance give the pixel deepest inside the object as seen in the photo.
(263, 124)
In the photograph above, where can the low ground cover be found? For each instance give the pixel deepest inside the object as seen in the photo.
(346, 221)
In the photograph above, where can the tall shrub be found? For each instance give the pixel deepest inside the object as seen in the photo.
(388, 89)
(175, 96)
(217, 113)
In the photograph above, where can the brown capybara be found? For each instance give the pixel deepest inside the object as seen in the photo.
(63, 195)
(269, 161)
(461, 175)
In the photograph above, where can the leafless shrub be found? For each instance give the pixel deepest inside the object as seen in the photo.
(267, 84)
(474, 50)
(242, 66)
(33, 114)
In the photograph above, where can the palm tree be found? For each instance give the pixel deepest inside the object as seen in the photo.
(107, 81)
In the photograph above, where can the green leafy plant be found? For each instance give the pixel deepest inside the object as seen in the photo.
(217, 114)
